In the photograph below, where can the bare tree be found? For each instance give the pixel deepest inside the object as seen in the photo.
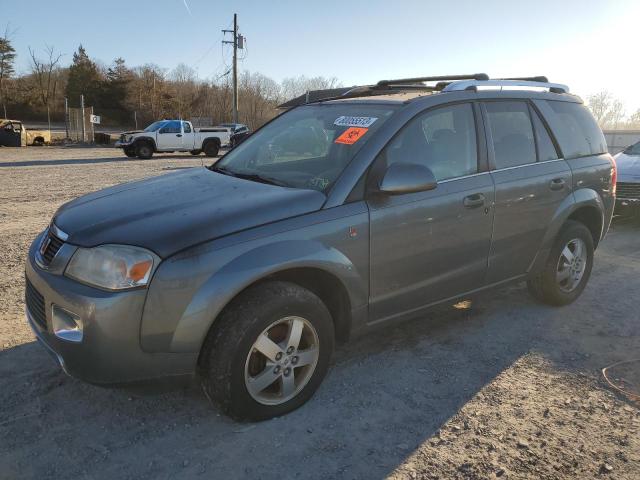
(634, 120)
(295, 86)
(185, 89)
(607, 110)
(46, 77)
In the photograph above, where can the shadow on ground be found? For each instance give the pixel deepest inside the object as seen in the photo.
(386, 394)
(92, 161)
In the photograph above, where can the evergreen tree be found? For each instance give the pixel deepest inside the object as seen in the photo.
(116, 89)
(7, 69)
(84, 79)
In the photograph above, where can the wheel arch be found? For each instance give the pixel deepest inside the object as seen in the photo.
(585, 206)
(208, 140)
(148, 140)
(325, 271)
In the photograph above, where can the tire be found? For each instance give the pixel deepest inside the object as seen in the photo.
(229, 364)
(195, 152)
(129, 152)
(546, 286)
(211, 149)
(144, 150)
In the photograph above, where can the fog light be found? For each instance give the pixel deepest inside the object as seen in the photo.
(66, 325)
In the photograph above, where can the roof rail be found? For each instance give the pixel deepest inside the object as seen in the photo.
(404, 81)
(502, 83)
(540, 78)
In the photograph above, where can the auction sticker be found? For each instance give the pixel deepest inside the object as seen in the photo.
(355, 121)
(351, 135)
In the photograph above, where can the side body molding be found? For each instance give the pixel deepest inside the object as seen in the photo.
(190, 289)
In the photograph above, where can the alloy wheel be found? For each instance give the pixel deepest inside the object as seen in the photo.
(282, 360)
(571, 265)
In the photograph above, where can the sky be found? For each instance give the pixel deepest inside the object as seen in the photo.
(590, 45)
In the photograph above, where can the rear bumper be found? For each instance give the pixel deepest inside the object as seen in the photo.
(110, 351)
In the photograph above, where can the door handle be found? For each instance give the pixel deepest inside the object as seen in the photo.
(557, 184)
(474, 201)
(178, 134)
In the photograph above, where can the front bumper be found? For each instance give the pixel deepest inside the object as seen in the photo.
(110, 351)
(123, 144)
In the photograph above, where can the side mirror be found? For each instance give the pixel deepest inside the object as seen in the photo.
(403, 178)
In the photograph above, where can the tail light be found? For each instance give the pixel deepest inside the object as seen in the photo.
(614, 176)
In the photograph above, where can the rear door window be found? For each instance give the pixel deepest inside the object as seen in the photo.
(186, 127)
(576, 130)
(512, 134)
(546, 148)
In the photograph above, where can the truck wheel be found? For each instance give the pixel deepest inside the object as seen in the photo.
(130, 152)
(268, 352)
(568, 267)
(144, 151)
(211, 149)
(195, 152)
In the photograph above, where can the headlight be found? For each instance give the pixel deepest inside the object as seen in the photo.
(114, 267)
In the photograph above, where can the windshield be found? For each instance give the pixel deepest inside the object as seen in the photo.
(633, 149)
(308, 147)
(155, 126)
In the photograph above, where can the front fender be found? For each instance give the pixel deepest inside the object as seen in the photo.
(584, 197)
(189, 290)
(247, 269)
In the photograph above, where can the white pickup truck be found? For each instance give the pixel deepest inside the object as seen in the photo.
(174, 136)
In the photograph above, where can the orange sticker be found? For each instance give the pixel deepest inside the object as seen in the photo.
(351, 135)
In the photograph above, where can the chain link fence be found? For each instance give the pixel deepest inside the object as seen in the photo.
(80, 129)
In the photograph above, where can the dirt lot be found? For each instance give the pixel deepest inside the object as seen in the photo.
(498, 387)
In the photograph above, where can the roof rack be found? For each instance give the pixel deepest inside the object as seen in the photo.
(447, 83)
(530, 82)
(415, 80)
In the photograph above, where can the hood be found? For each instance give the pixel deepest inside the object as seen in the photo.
(132, 132)
(628, 165)
(171, 212)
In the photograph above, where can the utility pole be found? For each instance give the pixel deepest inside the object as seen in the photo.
(236, 39)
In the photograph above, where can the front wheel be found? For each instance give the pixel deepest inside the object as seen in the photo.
(568, 267)
(268, 352)
(144, 151)
(195, 152)
(130, 152)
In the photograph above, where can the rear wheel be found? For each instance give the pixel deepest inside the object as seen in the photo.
(195, 152)
(268, 352)
(211, 149)
(568, 267)
(144, 150)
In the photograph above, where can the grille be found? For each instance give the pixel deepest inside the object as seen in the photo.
(52, 247)
(628, 190)
(35, 304)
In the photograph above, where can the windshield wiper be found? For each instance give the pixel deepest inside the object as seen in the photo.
(221, 170)
(255, 177)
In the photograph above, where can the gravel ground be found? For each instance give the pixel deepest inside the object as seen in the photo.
(494, 387)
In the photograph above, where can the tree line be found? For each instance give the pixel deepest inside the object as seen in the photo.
(122, 95)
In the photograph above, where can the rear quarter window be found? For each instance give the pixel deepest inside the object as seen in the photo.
(576, 130)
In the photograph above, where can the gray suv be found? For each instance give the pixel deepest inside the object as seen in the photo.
(335, 217)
